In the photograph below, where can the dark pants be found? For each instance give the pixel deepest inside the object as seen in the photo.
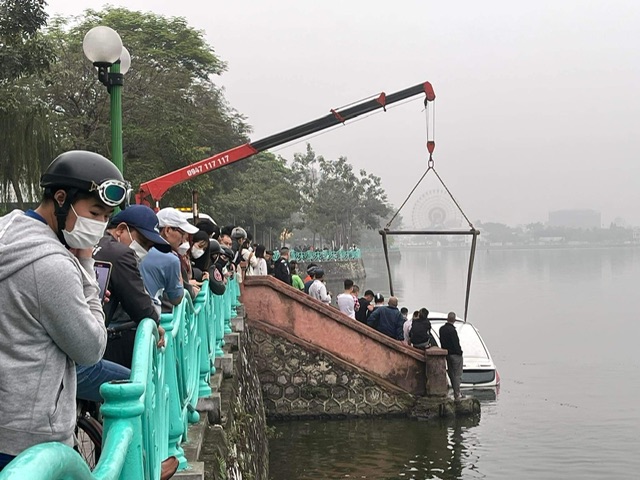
(5, 459)
(120, 348)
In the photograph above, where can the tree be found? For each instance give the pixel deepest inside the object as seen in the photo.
(173, 113)
(26, 135)
(23, 51)
(337, 202)
(265, 196)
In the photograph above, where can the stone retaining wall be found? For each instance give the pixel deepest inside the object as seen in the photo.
(339, 270)
(301, 383)
(237, 448)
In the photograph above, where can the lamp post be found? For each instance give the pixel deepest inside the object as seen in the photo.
(103, 46)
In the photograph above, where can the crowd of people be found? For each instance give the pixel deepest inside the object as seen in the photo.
(371, 310)
(64, 336)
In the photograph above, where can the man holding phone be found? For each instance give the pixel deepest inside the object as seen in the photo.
(129, 236)
(51, 317)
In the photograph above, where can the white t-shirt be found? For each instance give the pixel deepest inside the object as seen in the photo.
(318, 290)
(346, 304)
(406, 328)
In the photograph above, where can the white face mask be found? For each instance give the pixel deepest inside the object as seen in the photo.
(86, 232)
(184, 248)
(196, 252)
(139, 250)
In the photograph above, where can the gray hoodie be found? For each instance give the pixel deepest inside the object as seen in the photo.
(50, 317)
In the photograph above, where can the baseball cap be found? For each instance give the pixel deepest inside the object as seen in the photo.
(145, 221)
(238, 232)
(170, 217)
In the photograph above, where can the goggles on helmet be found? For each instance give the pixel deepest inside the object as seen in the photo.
(112, 192)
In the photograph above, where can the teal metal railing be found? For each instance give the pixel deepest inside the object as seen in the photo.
(322, 255)
(146, 418)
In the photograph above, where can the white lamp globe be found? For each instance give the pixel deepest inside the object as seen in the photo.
(125, 61)
(102, 45)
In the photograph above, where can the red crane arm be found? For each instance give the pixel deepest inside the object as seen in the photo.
(157, 187)
(153, 190)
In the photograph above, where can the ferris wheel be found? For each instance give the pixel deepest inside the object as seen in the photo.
(434, 210)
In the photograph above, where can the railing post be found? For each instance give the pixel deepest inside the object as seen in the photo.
(205, 325)
(234, 298)
(219, 304)
(211, 332)
(176, 422)
(123, 405)
(227, 311)
(436, 372)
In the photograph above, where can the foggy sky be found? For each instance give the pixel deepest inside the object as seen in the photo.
(536, 105)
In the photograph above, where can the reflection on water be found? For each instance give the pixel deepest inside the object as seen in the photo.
(374, 449)
(562, 327)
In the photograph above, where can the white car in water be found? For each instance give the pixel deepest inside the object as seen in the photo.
(478, 369)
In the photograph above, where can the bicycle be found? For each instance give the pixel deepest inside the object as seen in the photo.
(88, 433)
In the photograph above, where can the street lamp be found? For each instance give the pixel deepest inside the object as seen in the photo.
(103, 46)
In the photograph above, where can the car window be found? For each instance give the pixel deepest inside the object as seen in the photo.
(469, 340)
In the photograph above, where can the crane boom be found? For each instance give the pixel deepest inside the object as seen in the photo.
(153, 190)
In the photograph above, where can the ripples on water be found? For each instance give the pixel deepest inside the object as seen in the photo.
(563, 328)
(374, 449)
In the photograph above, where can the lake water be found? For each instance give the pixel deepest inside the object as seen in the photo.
(562, 327)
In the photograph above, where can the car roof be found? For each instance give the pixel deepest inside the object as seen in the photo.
(188, 216)
(472, 343)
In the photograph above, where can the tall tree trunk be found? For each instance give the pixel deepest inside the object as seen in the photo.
(255, 232)
(16, 188)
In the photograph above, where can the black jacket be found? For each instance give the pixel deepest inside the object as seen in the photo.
(449, 339)
(129, 301)
(281, 271)
(421, 332)
(363, 311)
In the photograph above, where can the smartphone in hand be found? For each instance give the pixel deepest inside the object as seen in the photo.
(103, 273)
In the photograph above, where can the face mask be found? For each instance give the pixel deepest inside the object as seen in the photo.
(139, 250)
(196, 252)
(86, 232)
(184, 248)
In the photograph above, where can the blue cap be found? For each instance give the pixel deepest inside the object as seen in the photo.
(145, 221)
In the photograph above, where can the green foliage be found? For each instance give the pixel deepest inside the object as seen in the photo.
(173, 113)
(264, 196)
(23, 51)
(337, 202)
(26, 134)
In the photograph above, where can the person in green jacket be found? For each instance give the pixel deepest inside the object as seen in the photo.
(296, 281)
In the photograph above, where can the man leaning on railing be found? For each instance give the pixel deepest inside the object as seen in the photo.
(51, 315)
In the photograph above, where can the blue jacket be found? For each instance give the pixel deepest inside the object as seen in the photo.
(387, 320)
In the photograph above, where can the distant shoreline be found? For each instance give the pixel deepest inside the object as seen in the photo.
(522, 247)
